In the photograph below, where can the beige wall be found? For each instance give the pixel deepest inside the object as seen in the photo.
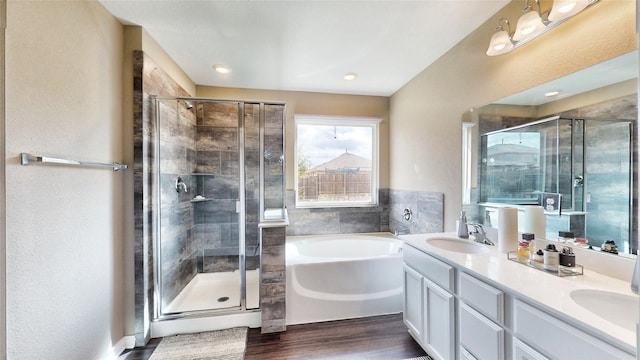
(425, 133)
(64, 224)
(3, 208)
(316, 104)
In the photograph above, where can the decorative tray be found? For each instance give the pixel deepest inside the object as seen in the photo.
(562, 270)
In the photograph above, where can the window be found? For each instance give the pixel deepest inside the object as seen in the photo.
(336, 161)
(467, 161)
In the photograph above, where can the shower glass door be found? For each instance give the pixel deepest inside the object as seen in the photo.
(200, 247)
(251, 135)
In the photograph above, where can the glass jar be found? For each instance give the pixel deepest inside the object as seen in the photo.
(524, 247)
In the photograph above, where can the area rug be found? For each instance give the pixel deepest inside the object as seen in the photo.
(226, 344)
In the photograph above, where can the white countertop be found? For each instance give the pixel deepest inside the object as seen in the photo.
(545, 289)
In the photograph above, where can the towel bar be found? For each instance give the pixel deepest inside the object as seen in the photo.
(27, 159)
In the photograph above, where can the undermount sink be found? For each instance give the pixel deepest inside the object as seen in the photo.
(457, 245)
(618, 309)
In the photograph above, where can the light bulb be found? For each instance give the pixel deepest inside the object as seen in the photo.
(500, 43)
(529, 25)
(563, 9)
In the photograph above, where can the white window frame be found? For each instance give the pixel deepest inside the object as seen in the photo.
(372, 122)
(467, 161)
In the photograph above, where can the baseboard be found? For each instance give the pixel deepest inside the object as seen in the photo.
(127, 342)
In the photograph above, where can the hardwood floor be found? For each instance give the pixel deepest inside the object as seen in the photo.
(373, 338)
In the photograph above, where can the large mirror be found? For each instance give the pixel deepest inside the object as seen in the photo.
(574, 137)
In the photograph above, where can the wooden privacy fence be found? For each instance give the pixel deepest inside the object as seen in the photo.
(334, 186)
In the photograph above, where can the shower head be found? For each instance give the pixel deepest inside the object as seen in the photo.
(188, 104)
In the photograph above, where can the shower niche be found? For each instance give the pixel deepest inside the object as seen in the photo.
(207, 243)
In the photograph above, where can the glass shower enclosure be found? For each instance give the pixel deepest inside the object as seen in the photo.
(212, 171)
(588, 161)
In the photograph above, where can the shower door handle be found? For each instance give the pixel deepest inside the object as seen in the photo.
(237, 206)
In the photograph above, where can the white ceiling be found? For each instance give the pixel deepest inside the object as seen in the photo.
(305, 45)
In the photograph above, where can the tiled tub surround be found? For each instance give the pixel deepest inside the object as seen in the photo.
(427, 209)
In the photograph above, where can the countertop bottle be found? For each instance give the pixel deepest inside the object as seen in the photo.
(551, 258)
(463, 231)
(538, 256)
(524, 247)
(567, 257)
(566, 237)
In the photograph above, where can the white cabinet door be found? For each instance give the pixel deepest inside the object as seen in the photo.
(413, 315)
(439, 321)
(479, 335)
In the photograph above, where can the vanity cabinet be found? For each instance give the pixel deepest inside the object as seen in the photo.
(439, 321)
(522, 351)
(413, 300)
(557, 339)
(481, 320)
(429, 308)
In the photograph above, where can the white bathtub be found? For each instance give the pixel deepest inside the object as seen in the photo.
(331, 277)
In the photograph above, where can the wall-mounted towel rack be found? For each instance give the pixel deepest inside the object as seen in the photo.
(26, 159)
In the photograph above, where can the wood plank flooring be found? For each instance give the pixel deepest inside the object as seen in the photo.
(372, 338)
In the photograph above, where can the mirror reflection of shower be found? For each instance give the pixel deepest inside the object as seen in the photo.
(588, 161)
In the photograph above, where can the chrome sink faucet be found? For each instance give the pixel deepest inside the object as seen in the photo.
(480, 235)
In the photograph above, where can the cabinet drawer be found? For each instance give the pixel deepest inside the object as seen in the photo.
(486, 299)
(430, 267)
(522, 351)
(480, 336)
(466, 355)
(558, 340)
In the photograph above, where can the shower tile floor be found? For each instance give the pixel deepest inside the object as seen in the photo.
(209, 291)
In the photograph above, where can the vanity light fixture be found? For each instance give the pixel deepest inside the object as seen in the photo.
(500, 41)
(221, 69)
(350, 76)
(563, 9)
(533, 23)
(530, 24)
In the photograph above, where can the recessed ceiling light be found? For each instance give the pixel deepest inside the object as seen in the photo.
(552, 93)
(221, 69)
(350, 76)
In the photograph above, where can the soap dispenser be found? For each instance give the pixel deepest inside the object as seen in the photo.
(463, 231)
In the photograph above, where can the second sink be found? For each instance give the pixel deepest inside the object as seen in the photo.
(619, 309)
(457, 245)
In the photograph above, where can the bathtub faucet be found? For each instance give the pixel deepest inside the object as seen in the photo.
(480, 235)
(404, 231)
